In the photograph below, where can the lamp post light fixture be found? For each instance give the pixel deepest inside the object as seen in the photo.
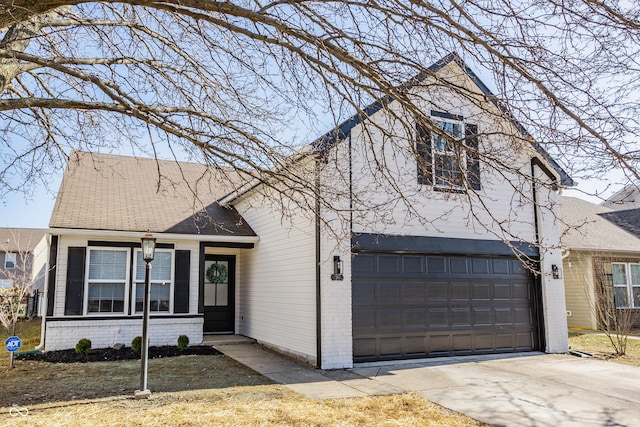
(148, 252)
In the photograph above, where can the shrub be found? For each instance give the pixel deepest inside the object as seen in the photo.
(183, 342)
(136, 344)
(83, 346)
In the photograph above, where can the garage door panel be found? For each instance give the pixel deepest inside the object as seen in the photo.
(437, 291)
(389, 292)
(461, 317)
(364, 319)
(436, 265)
(364, 292)
(390, 319)
(413, 292)
(413, 264)
(458, 266)
(408, 306)
(460, 291)
(415, 318)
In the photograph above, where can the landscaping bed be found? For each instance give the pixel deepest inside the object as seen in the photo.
(112, 354)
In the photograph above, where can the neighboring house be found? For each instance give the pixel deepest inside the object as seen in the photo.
(21, 254)
(349, 277)
(601, 257)
(23, 262)
(627, 198)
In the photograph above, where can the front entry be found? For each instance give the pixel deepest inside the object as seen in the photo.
(217, 293)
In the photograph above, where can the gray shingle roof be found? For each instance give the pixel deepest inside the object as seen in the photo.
(629, 220)
(121, 193)
(585, 227)
(20, 239)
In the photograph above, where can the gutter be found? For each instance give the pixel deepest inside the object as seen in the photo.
(158, 234)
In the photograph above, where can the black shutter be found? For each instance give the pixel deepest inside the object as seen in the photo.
(75, 281)
(51, 287)
(181, 285)
(423, 150)
(473, 157)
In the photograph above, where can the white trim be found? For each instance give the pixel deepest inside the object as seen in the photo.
(138, 234)
(127, 282)
(134, 283)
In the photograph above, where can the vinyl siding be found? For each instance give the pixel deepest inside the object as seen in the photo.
(277, 288)
(579, 291)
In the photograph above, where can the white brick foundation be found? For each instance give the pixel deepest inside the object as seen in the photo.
(61, 335)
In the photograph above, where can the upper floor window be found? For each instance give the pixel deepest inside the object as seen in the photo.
(448, 153)
(626, 284)
(10, 260)
(160, 281)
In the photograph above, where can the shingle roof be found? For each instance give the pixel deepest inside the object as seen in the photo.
(586, 227)
(342, 130)
(112, 192)
(628, 220)
(20, 239)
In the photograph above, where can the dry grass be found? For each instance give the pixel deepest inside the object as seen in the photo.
(191, 391)
(265, 405)
(600, 346)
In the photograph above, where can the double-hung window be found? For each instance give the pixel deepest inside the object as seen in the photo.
(447, 149)
(10, 260)
(107, 278)
(626, 284)
(160, 281)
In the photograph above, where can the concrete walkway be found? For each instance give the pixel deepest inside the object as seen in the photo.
(528, 389)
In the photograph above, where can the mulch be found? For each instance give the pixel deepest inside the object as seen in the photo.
(112, 354)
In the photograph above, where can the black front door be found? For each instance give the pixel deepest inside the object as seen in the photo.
(217, 293)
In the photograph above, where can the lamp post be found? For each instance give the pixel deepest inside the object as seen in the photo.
(148, 251)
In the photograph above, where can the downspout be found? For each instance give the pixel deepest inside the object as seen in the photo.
(538, 294)
(318, 275)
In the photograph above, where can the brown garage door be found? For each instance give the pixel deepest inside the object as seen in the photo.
(411, 306)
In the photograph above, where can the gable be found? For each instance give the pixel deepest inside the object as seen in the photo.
(343, 130)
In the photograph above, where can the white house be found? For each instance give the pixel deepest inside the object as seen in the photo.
(393, 255)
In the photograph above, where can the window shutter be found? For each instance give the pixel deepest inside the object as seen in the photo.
(181, 283)
(423, 150)
(473, 157)
(75, 281)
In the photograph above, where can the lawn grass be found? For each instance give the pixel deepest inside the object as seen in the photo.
(29, 333)
(192, 391)
(188, 391)
(600, 346)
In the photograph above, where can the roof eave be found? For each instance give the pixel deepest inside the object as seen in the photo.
(160, 235)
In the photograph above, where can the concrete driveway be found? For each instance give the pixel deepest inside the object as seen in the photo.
(523, 390)
(526, 389)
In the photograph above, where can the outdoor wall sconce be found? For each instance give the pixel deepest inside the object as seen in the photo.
(337, 268)
(556, 272)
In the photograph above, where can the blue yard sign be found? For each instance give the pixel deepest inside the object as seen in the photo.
(13, 343)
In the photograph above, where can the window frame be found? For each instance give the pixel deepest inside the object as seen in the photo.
(135, 283)
(126, 281)
(629, 285)
(12, 255)
(457, 152)
(463, 152)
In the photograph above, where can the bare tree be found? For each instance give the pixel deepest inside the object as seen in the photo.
(18, 278)
(616, 322)
(240, 84)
